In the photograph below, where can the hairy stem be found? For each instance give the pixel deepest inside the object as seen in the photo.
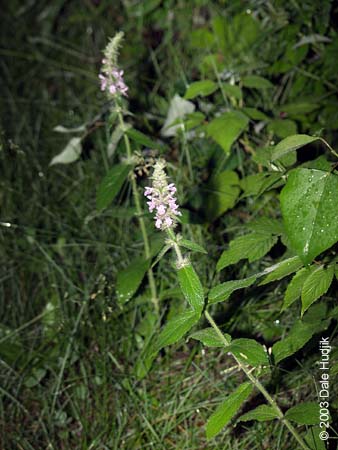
(258, 385)
(139, 211)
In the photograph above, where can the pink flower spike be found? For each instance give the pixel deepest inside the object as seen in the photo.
(148, 191)
(112, 88)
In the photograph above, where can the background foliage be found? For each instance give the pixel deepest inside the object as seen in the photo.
(68, 344)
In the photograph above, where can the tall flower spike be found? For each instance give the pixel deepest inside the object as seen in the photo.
(161, 198)
(111, 78)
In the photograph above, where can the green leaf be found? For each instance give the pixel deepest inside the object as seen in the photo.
(140, 138)
(111, 185)
(310, 210)
(301, 332)
(249, 351)
(129, 279)
(294, 288)
(255, 114)
(226, 129)
(176, 328)
(210, 338)
(306, 413)
(266, 225)
(256, 82)
(225, 412)
(262, 413)
(191, 246)
(316, 285)
(221, 194)
(232, 90)
(252, 246)
(191, 287)
(282, 269)
(313, 440)
(282, 128)
(70, 153)
(203, 88)
(223, 291)
(290, 144)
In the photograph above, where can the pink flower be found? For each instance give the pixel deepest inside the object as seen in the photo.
(161, 196)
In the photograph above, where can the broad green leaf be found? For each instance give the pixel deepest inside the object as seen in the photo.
(178, 109)
(282, 269)
(176, 328)
(256, 82)
(294, 288)
(266, 225)
(111, 185)
(290, 144)
(223, 291)
(210, 338)
(255, 114)
(221, 194)
(191, 246)
(262, 413)
(203, 88)
(310, 210)
(313, 440)
(232, 90)
(70, 153)
(141, 138)
(306, 413)
(301, 332)
(252, 246)
(129, 280)
(226, 129)
(226, 411)
(249, 351)
(316, 285)
(191, 287)
(283, 128)
(294, 110)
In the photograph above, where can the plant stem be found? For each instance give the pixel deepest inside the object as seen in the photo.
(139, 211)
(258, 385)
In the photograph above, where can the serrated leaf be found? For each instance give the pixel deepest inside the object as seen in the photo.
(249, 351)
(227, 128)
(294, 288)
(202, 88)
(210, 338)
(191, 246)
(140, 138)
(176, 328)
(266, 225)
(225, 412)
(262, 413)
(301, 332)
(191, 287)
(251, 246)
(306, 413)
(223, 291)
(70, 153)
(111, 184)
(290, 144)
(316, 285)
(129, 280)
(310, 210)
(256, 82)
(221, 194)
(282, 269)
